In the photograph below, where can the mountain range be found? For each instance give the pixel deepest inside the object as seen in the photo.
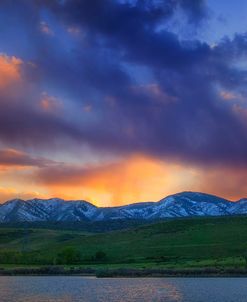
(185, 204)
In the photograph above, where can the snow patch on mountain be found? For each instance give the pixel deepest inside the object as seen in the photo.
(185, 204)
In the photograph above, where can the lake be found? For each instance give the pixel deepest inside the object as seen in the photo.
(68, 289)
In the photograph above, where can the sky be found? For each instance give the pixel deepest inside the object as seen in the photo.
(122, 101)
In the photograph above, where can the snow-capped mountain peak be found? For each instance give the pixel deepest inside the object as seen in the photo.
(183, 204)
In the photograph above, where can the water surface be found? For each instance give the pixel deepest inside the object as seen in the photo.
(75, 289)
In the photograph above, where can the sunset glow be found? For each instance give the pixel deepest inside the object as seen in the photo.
(9, 70)
(118, 108)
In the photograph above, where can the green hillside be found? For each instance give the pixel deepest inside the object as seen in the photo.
(205, 242)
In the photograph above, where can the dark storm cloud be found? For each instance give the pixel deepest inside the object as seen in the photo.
(179, 113)
(131, 29)
(28, 127)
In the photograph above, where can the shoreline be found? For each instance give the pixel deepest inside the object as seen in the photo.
(127, 273)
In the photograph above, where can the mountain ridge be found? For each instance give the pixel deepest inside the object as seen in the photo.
(183, 204)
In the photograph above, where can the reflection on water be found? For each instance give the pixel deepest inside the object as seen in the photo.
(68, 289)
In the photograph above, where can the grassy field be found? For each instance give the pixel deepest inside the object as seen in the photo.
(182, 243)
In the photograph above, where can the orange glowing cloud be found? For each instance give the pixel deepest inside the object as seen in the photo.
(154, 91)
(9, 70)
(229, 183)
(134, 179)
(138, 178)
(45, 28)
(232, 96)
(50, 103)
(8, 193)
